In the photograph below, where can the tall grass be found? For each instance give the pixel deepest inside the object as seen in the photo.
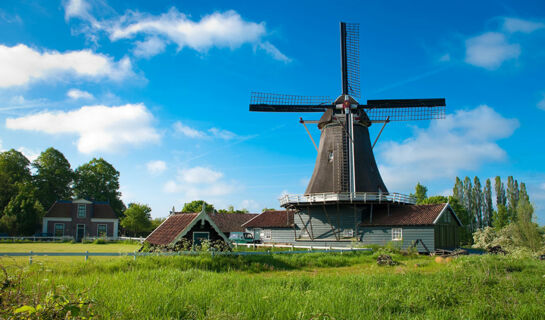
(310, 286)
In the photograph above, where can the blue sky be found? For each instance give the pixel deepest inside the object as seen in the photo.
(161, 89)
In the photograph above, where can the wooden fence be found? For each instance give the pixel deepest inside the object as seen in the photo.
(88, 254)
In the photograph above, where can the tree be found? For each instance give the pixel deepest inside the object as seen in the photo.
(420, 193)
(156, 222)
(231, 209)
(53, 177)
(196, 206)
(523, 194)
(13, 169)
(527, 231)
(488, 207)
(99, 180)
(500, 192)
(26, 209)
(501, 217)
(469, 203)
(268, 209)
(458, 190)
(435, 200)
(137, 219)
(512, 198)
(477, 195)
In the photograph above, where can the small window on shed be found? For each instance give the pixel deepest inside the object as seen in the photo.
(397, 234)
(348, 233)
(82, 212)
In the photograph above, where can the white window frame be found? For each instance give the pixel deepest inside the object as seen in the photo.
(397, 234)
(106, 231)
(80, 205)
(207, 233)
(266, 234)
(55, 229)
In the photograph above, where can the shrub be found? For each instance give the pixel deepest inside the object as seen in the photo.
(99, 241)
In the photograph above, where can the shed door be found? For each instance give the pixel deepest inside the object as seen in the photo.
(198, 237)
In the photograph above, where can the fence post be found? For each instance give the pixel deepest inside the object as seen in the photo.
(272, 247)
(310, 249)
(292, 246)
(86, 255)
(134, 255)
(30, 258)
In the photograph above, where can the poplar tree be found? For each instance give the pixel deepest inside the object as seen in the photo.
(468, 202)
(477, 196)
(512, 195)
(500, 192)
(488, 207)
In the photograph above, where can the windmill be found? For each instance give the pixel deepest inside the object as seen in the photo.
(346, 176)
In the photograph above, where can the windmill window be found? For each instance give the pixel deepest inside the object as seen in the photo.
(330, 157)
(82, 212)
(397, 234)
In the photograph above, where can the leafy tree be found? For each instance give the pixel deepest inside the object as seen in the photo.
(420, 193)
(527, 231)
(488, 207)
(523, 194)
(501, 217)
(99, 180)
(231, 209)
(13, 169)
(500, 192)
(196, 206)
(458, 190)
(155, 222)
(435, 200)
(53, 177)
(137, 219)
(469, 202)
(26, 209)
(477, 195)
(268, 209)
(512, 198)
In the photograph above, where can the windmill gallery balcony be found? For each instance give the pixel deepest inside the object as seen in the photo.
(345, 197)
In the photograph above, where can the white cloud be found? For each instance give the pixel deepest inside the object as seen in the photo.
(199, 175)
(100, 128)
(156, 167)
(195, 133)
(79, 94)
(513, 25)
(490, 50)
(20, 65)
(219, 29)
(188, 131)
(31, 155)
(463, 141)
(251, 205)
(200, 183)
(149, 48)
(541, 104)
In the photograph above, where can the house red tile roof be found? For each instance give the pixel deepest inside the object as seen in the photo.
(231, 222)
(271, 219)
(170, 228)
(60, 210)
(103, 211)
(424, 214)
(65, 209)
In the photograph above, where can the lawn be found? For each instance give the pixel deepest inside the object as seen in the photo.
(302, 286)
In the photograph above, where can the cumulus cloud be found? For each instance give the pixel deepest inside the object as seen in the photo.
(79, 94)
(219, 29)
(490, 50)
(211, 133)
(98, 127)
(156, 167)
(463, 141)
(20, 65)
(513, 25)
(200, 183)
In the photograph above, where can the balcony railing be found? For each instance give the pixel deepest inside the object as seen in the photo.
(350, 197)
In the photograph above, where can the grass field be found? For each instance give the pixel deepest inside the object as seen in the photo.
(303, 286)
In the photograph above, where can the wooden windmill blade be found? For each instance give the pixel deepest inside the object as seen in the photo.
(350, 58)
(405, 109)
(274, 102)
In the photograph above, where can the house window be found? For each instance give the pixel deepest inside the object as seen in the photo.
(59, 230)
(348, 233)
(397, 234)
(266, 234)
(82, 212)
(102, 230)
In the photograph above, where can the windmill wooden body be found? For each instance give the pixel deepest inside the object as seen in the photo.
(346, 184)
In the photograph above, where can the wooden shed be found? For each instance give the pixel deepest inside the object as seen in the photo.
(194, 227)
(433, 226)
(273, 226)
